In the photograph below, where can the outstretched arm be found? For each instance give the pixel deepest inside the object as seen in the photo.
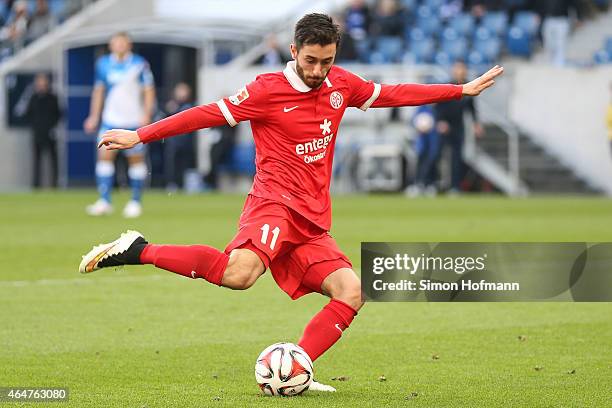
(415, 94)
(384, 96)
(187, 121)
(249, 103)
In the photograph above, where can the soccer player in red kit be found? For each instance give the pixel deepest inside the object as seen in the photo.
(295, 115)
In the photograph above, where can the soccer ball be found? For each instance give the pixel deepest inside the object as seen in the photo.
(283, 369)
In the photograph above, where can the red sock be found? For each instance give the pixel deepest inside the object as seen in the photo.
(192, 261)
(326, 327)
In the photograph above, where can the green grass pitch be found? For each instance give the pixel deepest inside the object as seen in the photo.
(141, 337)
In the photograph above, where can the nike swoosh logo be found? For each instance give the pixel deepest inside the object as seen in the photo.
(193, 274)
(338, 327)
(90, 266)
(290, 109)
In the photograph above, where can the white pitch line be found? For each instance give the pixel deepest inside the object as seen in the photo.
(85, 280)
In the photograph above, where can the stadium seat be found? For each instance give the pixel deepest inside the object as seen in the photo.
(424, 12)
(423, 50)
(528, 22)
(476, 63)
(483, 33)
(463, 24)
(496, 22)
(489, 49)
(450, 34)
(387, 50)
(519, 42)
(475, 57)
(363, 48)
(430, 25)
(456, 49)
(415, 34)
(443, 59)
(434, 4)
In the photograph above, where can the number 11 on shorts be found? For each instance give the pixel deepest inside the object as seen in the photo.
(265, 229)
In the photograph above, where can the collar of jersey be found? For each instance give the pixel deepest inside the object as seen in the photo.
(128, 58)
(294, 80)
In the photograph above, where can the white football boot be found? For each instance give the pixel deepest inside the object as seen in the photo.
(123, 251)
(100, 207)
(133, 209)
(317, 386)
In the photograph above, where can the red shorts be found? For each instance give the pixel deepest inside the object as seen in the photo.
(300, 254)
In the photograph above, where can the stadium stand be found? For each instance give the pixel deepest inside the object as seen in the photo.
(22, 22)
(431, 30)
(394, 40)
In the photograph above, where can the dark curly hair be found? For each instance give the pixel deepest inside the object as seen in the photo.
(316, 28)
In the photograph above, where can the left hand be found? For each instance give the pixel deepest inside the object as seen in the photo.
(475, 87)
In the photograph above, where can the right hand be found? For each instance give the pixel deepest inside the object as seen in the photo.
(119, 139)
(91, 124)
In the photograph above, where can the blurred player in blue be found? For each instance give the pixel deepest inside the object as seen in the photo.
(428, 146)
(123, 97)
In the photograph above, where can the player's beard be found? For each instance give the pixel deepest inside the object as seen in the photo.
(311, 82)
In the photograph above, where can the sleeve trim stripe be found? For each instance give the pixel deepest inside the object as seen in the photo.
(372, 99)
(226, 113)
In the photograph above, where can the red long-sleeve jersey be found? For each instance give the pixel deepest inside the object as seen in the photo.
(295, 129)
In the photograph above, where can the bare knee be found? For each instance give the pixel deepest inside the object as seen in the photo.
(243, 269)
(351, 295)
(345, 286)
